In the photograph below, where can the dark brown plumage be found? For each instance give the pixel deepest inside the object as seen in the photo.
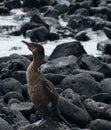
(41, 91)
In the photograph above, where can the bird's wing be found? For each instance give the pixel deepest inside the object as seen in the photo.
(50, 87)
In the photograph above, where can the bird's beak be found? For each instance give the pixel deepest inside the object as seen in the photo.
(29, 45)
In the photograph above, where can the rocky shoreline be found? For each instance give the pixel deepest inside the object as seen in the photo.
(82, 80)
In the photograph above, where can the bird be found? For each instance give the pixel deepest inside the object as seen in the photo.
(42, 92)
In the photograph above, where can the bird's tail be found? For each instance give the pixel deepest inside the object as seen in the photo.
(65, 121)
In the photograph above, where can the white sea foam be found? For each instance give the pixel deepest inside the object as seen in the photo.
(18, 16)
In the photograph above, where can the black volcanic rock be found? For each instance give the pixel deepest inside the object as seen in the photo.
(96, 75)
(97, 109)
(76, 114)
(102, 97)
(39, 34)
(71, 48)
(83, 84)
(106, 85)
(11, 4)
(13, 94)
(4, 10)
(4, 125)
(62, 65)
(100, 124)
(10, 84)
(46, 124)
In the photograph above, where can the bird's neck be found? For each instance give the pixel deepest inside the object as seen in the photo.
(37, 61)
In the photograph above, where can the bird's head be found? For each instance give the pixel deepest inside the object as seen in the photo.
(35, 48)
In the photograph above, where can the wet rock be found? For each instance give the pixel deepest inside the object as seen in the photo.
(53, 36)
(105, 69)
(11, 4)
(45, 8)
(102, 97)
(39, 34)
(16, 119)
(100, 124)
(52, 13)
(64, 65)
(13, 100)
(4, 10)
(47, 125)
(25, 108)
(33, 118)
(11, 95)
(80, 22)
(14, 64)
(100, 45)
(19, 75)
(5, 125)
(55, 78)
(83, 84)
(96, 75)
(107, 49)
(97, 109)
(107, 32)
(106, 85)
(73, 113)
(27, 26)
(62, 8)
(71, 48)
(89, 62)
(38, 19)
(32, 12)
(82, 11)
(72, 97)
(105, 58)
(10, 84)
(31, 4)
(82, 36)
(100, 10)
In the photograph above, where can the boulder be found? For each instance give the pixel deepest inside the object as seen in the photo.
(62, 8)
(89, 62)
(16, 119)
(102, 97)
(82, 36)
(31, 4)
(82, 11)
(16, 63)
(107, 32)
(4, 10)
(83, 84)
(39, 34)
(10, 84)
(19, 75)
(4, 125)
(64, 65)
(52, 13)
(96, 75)
(13, 94)
(100, 124)
(11, 4)
(101, 44)
(73, 113)
(46, 124)
(71, 48)
(97, 109)
(79, 22)
(72, 97)
(105, 85)
(54, 78)
(107, 49)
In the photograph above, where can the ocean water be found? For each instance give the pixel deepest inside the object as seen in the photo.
(12, 44)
